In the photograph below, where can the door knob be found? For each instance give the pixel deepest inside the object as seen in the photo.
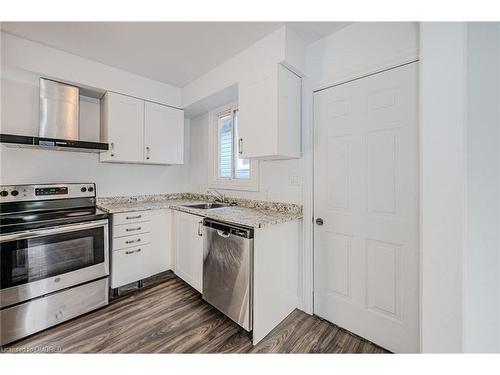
(319, 221)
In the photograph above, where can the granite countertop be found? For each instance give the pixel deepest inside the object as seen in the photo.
(251, 213)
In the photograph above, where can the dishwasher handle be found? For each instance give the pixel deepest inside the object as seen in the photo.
(223, 233)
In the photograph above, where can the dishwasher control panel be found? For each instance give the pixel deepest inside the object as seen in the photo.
(234, 229)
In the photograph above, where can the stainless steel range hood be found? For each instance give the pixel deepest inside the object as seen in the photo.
(59, 110)
(59, 126)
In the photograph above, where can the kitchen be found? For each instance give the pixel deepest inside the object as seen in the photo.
(276, 193)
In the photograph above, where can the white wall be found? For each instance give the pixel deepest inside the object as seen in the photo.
(19, 115)
(482, 250)
(443, 142)
(460, 142)
(359, 49)
(43, 166)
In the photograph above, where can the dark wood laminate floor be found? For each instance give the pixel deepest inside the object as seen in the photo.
(168, 316)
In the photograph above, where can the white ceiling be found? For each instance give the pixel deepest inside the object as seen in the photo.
(171, 52)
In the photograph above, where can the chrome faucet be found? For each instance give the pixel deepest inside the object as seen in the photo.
(219, 197)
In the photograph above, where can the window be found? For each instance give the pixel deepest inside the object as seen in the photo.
(230, 165)
(230, 171)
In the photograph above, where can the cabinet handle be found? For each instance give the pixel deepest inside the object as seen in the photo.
(132, 229)
(147, 153)
(133, 241)
(133, 251)
(240, 146)
(200, 233)
(112, 144)
(133, 217)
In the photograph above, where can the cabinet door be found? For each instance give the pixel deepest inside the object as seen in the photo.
(123, 123)
(127, 265)
(270, 115)
(289, 113)
(189, 248)
(161, 237)
(163, 134)
(257, 106)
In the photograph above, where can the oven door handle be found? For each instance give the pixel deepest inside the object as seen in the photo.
(54, 230)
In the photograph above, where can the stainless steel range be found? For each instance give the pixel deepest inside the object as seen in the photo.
(53, 256)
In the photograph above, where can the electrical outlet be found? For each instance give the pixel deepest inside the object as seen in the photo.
(293, 180)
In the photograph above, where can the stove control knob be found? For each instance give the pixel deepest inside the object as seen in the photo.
(14, 193)
(83, 189)
(4, 193)
(90, 189)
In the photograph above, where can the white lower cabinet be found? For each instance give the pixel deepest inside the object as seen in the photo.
(129, 265)
(188, 248)
(141, 245)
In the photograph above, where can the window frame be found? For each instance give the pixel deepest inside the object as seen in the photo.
(216, 182)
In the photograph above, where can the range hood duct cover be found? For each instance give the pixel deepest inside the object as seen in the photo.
(59, 110)
(59, 125)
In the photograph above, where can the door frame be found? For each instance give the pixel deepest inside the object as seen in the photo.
(308, 133)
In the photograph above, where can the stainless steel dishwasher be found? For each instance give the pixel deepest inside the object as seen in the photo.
(228, 270)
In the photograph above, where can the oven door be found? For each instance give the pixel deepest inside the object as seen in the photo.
(38, 262)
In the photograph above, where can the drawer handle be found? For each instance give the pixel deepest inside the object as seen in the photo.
(132, 229)
(133, 241)
(133, 251)
(133, 217)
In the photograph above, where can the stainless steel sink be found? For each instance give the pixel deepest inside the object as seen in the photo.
(207, 206)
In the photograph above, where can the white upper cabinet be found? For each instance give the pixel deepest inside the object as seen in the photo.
(139, 131)
(163, 134)
(270, 115)
(122, 119)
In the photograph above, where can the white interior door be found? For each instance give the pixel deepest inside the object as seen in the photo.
(366, 192)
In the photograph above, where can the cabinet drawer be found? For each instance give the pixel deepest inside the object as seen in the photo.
(131, 229)
(131, 241)
(41, 313)
(131, 217)
(128, 265)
